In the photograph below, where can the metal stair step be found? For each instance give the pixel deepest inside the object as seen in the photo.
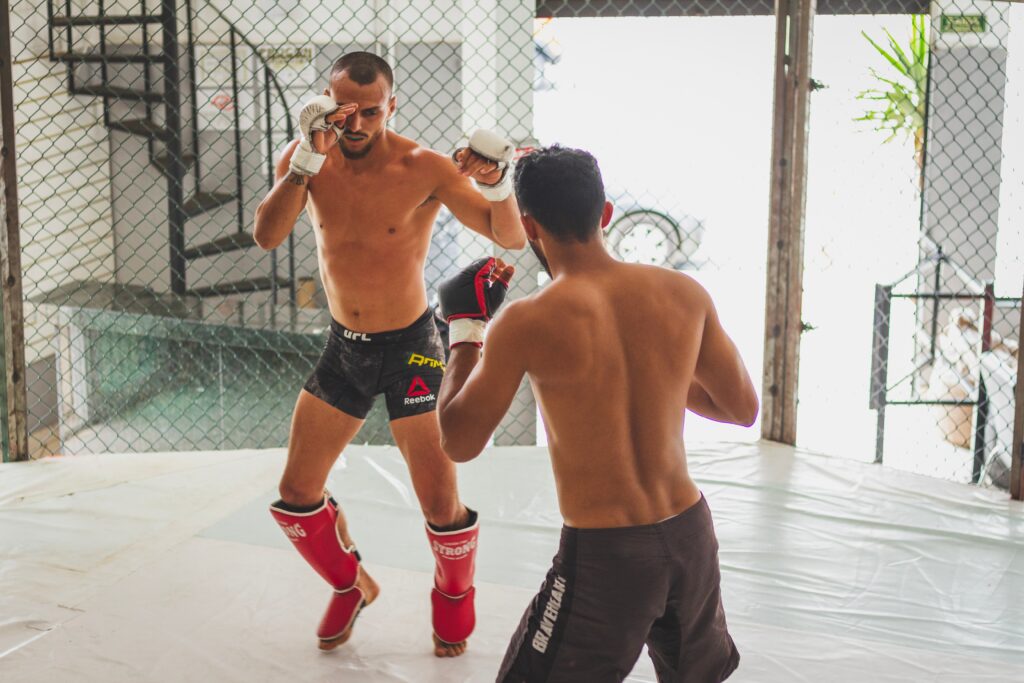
(98, 58)
(141, 127)
(119, 93)
(205, 201)
(106, 19)
(221, 245)
(162, 161)
(256, 284)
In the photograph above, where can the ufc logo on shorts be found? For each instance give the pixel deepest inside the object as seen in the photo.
(454, 551)
(293, 531)
(355, 336)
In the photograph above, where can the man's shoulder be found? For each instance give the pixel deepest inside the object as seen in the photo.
(526, 316)
(514, 314)
(679, 285)
(420, 156)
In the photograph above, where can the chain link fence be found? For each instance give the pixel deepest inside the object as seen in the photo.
(147, 133)
(914, 239)
(148, 129)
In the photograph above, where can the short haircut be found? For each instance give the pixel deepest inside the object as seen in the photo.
(562, 189)
(364, 68)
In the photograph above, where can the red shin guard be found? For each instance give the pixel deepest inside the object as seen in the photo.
(315, 535)
(452, 598)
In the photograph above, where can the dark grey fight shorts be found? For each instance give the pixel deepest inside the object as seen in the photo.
(610, 591)
(405, 365)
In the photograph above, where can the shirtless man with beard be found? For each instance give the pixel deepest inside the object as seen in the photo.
(372, 196)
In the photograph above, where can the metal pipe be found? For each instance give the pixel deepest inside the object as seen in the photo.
(1017, 446)
(935, 304)
(238, 133)
(49, 32)
(987, 311)
(880, 435)
(980, 427)
(147, 79)
(14, 395)
(942, 297)
(71, 46)
(193, 98)
(104, 80)
(932, 403)
(175, 164)
(269, 124)
(880, 364)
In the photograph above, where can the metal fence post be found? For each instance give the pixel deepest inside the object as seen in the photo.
(784, 290)
(15, 432)
(880, 364)
(1017, 447)
(981, 419)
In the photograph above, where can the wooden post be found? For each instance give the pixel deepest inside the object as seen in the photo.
(15, 446)
(784, 290)
(1017, 449)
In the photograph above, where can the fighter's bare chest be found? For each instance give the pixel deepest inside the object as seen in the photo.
(387, 198)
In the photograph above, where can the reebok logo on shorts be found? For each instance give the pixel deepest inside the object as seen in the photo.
(550, 616)
(418, 392)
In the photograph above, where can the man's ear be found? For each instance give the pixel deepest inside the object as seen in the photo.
(529, 225)
(606, 215)
(327, 91)
(392, 105)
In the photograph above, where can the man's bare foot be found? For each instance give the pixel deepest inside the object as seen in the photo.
(443, 649)
(370, 590)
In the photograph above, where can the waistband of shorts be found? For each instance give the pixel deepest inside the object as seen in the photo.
(413, 331)
(692, 519)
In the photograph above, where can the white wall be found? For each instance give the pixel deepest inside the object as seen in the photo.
(63, 177)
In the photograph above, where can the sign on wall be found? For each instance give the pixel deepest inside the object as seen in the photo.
(215, 93)
(293, 64)
(962, 23)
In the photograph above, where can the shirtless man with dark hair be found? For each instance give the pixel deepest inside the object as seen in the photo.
(372, 196)
(616, 353)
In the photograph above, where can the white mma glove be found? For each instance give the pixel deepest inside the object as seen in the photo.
(493, 147)
(312, 118)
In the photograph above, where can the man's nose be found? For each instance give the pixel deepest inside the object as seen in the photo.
(354, 123)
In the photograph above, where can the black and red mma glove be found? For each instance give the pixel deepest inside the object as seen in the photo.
(470, 298)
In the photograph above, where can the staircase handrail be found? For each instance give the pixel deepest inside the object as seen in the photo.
(266, 65)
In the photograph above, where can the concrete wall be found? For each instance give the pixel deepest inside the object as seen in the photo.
(63, 186)
(965, 130)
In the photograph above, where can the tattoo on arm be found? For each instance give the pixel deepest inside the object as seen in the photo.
(295, 179)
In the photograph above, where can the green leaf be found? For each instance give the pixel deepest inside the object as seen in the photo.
(919, 40)
(898, 104)
(889, 58)
(900, 54)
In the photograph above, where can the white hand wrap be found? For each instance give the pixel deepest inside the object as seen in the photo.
(492, 146)
(466, 330)
(312, 118)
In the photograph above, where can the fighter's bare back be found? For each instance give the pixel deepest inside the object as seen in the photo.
(614, 403)
(615, 356)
